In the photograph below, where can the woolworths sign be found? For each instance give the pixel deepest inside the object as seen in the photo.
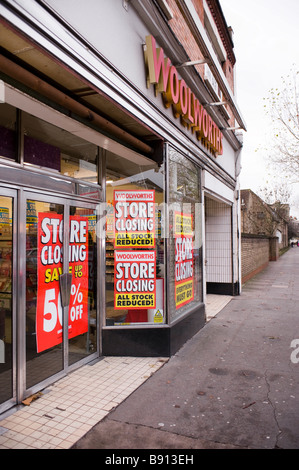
(176, 94)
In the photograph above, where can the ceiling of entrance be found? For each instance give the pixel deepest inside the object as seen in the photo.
(32, 58)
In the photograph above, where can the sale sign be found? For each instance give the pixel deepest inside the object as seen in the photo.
(78, 267)
(134, 218)
(135, 280)
(184, 288)
(49, 312)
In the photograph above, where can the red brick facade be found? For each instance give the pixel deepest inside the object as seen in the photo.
(182, 31)
(255, 256)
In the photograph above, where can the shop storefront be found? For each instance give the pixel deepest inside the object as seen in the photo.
(111, 198)
(49, 252)
(89, 267)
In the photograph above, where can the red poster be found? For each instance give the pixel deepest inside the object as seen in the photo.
(134, 218)
(49, 312)
(135, 280)
(184, 272)
(78, 267)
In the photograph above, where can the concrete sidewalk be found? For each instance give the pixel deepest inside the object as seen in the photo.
(65, 411)
(234, 385)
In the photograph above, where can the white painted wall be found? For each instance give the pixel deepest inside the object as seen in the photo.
(218, 244)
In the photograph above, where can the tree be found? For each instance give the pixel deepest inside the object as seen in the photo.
(273, 192)
(283, 108)
(278, 197)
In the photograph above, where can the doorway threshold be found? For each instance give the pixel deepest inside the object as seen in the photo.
(215, 303)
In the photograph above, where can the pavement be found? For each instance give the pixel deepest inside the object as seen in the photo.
(234, 385)
(59, 415)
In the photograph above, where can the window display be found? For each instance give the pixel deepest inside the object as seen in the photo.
(135, 239)
(185, 235)
(134, 243)
(184, 262)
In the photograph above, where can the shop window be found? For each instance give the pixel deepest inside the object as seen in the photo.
(8, 134)
(51, 147)
(134, 242)
(185, 235)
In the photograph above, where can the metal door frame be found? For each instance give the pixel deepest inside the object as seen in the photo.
(12, 193)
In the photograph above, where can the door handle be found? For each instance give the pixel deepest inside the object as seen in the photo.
(65, 285)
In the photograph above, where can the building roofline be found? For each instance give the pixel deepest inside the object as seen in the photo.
(223, 29)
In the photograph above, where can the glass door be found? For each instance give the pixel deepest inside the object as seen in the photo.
(61, 287)
(44, 315)
(7, 302)
(82, 259)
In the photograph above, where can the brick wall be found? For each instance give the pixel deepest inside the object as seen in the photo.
(254, 255)
(184, 35)
(181, 29)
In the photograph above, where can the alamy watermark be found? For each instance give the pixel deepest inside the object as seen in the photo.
(295, 353)
(2, 352)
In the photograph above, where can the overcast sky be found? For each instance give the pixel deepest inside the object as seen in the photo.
(266, 39)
